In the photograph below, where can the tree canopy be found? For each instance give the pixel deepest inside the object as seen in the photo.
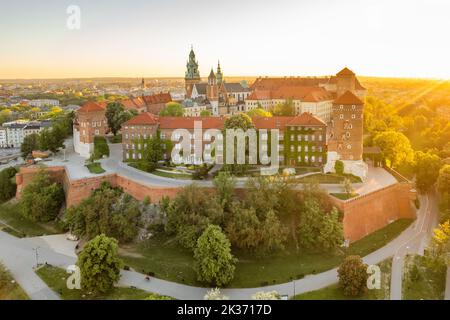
(395, 147)
(259, 112)
(214, 262)
(99, 264)
(172, 109)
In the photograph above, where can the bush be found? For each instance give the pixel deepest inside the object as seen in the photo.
(7, 185)
(200, 173)
(146, 166)
(339, 167)
(353, 276)
(100, 148)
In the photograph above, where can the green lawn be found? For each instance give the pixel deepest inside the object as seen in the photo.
(56, 279)
(423, 283)
(329, 178)
(95, 167)
(182, 176)
(333, 292)
(344, 196)
(168, 260)
(9, 289)
(12, 221)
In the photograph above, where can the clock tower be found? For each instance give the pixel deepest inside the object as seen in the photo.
(192, 75)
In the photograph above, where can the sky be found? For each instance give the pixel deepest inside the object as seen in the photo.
(149, 38)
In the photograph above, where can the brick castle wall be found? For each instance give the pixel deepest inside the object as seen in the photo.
(362, 215)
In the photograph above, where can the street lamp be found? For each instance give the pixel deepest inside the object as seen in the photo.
(37, 255)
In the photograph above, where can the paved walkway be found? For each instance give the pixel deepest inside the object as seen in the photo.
(19, 256)
(427, 218)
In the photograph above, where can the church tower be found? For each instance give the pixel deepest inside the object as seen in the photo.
(345, 81)
(219, 74)
(192, 75)
(212, 93)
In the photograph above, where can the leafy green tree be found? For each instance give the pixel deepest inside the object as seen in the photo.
(115, 115)
(444, 179)
(7, 185)
(239, 121)
(153, 149)
(284, 109)
(51, 139)
(41, 199)
(427, 167)
(107, 211)
(29, 144)
(205, 113)
(395, 147)
(225, 185)
(214, 262)
(319, 230)
(353, 276)
(99, 264)
(339, 167)
(259, 112)
(190, 212)
(172, 109)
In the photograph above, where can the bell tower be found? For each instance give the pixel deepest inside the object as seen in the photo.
(192, 75)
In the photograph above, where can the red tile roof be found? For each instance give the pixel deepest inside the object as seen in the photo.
(158, 98)
(276, 83)
(260, 95)
(135, 103)
(307, 94)
(345, 72)
(188, 122)
(306, 119)
(144, 118)
(271, 122)
(93, 107)
(348, 98)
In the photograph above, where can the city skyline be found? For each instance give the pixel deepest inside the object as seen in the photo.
(287, 38)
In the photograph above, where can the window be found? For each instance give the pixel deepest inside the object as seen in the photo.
(97, 132)
(313, 149)
(299, 148)
(163, 135)
(341, 107)
(140, 156)
(349, 146)
(127, 156)
(320, 159)
(353, 107)
(292, 137)
(299, 159)
(320, 149)
(292, 148)
(145, 136)
(306, 148)
(299, 137)
(126, 136)
(320, 137)
(292, 128)
(313, 159)
(306, 159)
(353, 116)
(306, 137)
(341, 116)
(347, 134)
(313, 137)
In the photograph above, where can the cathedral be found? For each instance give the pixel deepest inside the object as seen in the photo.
(217, 95)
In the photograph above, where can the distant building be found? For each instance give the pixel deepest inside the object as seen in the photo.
(13, 133)
(44, 102)
(152, 103)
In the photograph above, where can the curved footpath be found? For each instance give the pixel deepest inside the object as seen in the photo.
(19, 256)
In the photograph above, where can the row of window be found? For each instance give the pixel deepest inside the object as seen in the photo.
(306, 149)
(309, 159)
(306, 137)
(138, 135)
(93, 124)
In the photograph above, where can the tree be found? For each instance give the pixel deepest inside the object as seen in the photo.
(427, 167)
(348, 187)
(205, 113)
(7, 186)
(339, 167)
(444, 179)
(214, 262)
(41, 199)
(395, 147)
(153, 149)
(259, 112)
(284, 109)
(172, 109)
(51, 139)
(99, 264)
(239, 121)
(190, 212)
(319, 230)
(107, 211)
(29, 144)
(353, 276)
(225, 184)
(115, 115)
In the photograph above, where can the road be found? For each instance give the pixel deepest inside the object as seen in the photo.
(427, 220)
(19, 256)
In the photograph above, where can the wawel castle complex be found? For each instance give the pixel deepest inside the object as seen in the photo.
(327, 126)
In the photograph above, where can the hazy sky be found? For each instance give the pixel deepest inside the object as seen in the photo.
(134, 38)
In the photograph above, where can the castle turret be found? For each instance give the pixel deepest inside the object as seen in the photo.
(219, 74)
(345, 81)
